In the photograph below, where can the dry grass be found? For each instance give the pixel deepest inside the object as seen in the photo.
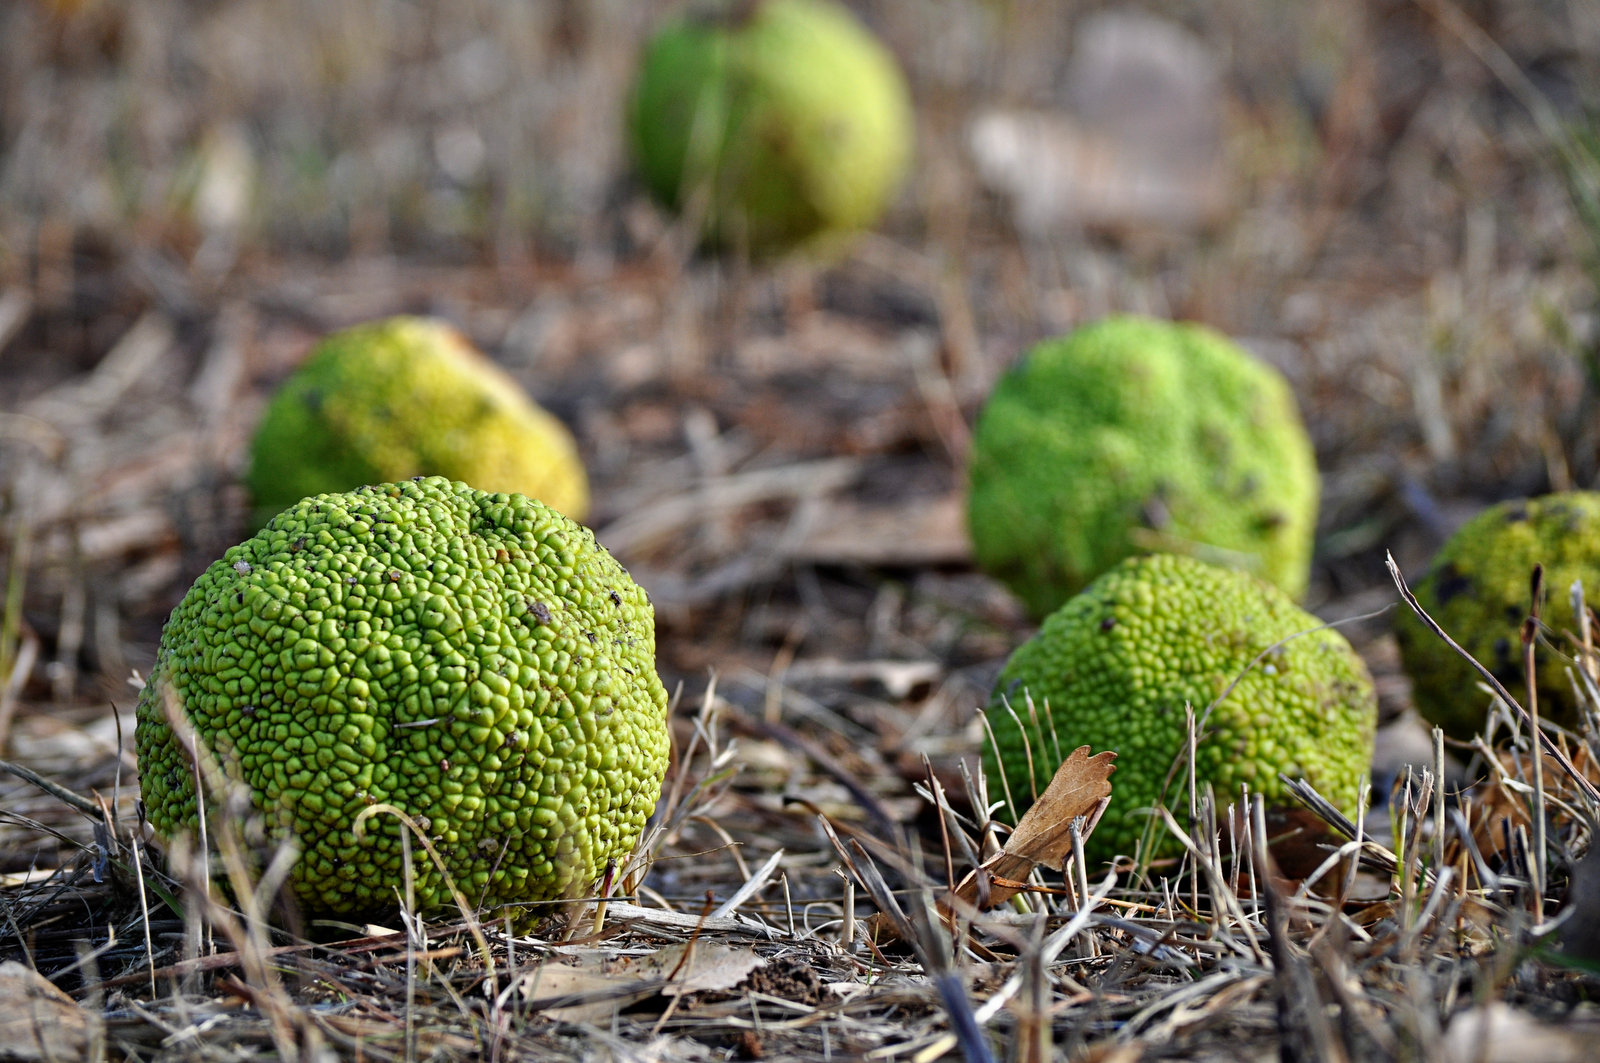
(189, 192)
(1405, 929)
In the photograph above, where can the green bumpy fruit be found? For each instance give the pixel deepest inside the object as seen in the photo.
(772, 123)
(476, 660)
(1478, 588)
(1115, 666)
(405, 397)
(1131, 436)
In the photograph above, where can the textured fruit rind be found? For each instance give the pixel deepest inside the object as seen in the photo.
(1133, 435)
(404, 397)
(1115, 666)
(781, 121)
(475, 659)
(1478, 587)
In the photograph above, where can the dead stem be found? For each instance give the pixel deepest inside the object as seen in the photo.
(1584, 785)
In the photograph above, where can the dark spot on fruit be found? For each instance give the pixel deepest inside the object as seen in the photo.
(539, 611)
(1108, 623)
(616, 599)
(1270, 521)
(1450, 582)
(1517, 514)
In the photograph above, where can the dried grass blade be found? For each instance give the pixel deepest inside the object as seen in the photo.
(1303, 1030)
(1588, 788)
(55, 790)
(755, 882)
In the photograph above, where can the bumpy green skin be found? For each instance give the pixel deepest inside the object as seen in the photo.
(406, 397)
(784, 121)
(1478, 588)
(1134, 435)
(1115, 666)
(476, 660)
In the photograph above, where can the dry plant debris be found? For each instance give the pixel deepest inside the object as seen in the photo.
(1050, 832)
(190, 193)
(39, 1022)
(1401, 936)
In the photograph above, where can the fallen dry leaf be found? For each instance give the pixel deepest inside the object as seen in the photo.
(1500, 1033)
(583, 993)
(39, 1021)
(709, 966)
(1081, 787)
(593, 990)
(1498, 808)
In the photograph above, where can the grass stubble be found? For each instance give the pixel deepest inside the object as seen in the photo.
(1426, 925)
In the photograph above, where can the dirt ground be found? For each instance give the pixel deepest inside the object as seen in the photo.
(1382, 198)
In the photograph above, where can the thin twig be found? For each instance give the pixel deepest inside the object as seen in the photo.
(1556, 753)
